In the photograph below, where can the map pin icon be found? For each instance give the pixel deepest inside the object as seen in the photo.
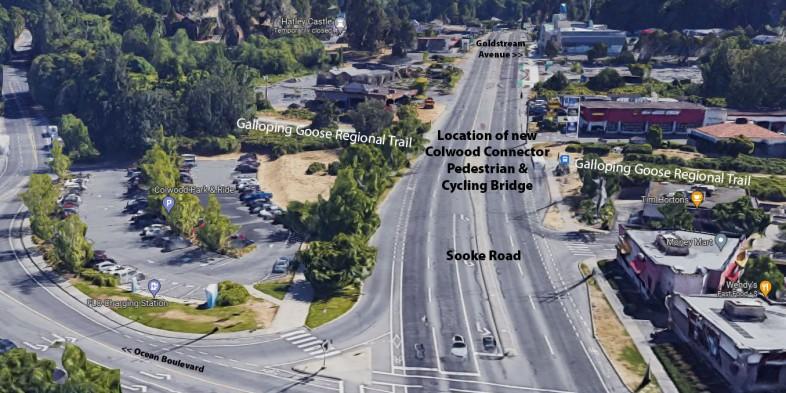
(168, 202)
(154, 286)
(720, 241)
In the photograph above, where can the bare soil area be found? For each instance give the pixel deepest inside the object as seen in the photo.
(286, 176)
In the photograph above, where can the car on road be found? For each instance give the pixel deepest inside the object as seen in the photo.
(459, 347)
(420, 351)
(489, 343)
(6, 345)
(282, 265)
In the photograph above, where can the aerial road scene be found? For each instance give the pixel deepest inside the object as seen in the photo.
(396, 196)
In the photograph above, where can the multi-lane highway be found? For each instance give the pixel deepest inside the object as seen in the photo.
(411, 308)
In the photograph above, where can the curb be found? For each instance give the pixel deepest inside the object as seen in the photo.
(112, 316)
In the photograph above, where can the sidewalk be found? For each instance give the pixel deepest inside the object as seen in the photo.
(640, 338)
(291, 314)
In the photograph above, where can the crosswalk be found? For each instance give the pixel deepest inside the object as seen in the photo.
(579, 248)
(310, 344)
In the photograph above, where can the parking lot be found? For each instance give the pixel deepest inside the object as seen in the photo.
(183, 273)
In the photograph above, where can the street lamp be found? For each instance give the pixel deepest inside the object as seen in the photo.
(325, 345)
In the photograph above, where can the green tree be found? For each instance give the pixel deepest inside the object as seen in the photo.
(367, 24)
(76, 139)
(606, 80)
(676, 215)
(185, 216)
(333, 265)
(599, 50)
(655, 136)
(216, 228)
(86, 375)
(370, 117)
(736, 146)
(326, 116)
(41, 200)
(740, 217)
(161, 171)
(71, 246)
(231, 294)
(60, 162)
(764, 268)
(556, 82)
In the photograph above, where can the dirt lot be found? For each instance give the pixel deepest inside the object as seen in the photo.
(685, 155)
(429, 115)
(286, 177)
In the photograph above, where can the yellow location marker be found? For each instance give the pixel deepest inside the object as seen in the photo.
(765, 287)
(697, 197)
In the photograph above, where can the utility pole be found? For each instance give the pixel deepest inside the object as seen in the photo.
(325, 346)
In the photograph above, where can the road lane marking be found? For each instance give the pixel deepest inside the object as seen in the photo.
(548, 344)
(302, 340)
(298, 336)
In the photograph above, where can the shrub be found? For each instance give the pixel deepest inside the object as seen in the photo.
(315, 167)
(638, 149)
(99, 279)
(209, 145)
(573, 148)
(596, 148)
(333, 168)
(231, 294)
(689, 148)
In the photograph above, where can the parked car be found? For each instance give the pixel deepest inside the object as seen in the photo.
(174, 243)
(73, 198)
(266, 215)
(185, 178)
(155, 230)
(257, 195)
(246, 168)
(67, 211)
(241, 178)
(136, 205)
(6, 345)
(101, 256)
(282, 265)
(247, 156)
(75, 184)
(106, 266)
(459, 347)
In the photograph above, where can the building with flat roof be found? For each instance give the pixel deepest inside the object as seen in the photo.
(576, 38)
(766, 143)
(772, 120)
(763, 39)
(659, 193)
(741, 338)
(663, 262)
(353, 93)
(635, 118)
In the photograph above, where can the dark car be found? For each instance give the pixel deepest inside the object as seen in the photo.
(6, 345)
(489, 343)
(246, 168)
(175, 243)
(247, 156)
(185, 178)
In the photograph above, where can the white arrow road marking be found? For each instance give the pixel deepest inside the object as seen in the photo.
(156, 375)
(40, 347)
(153, 384)
(135, 388)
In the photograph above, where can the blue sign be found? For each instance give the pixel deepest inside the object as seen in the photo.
(154, 286)
(564, 159)
(168, 202)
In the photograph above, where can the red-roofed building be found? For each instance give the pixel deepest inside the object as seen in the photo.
(766, 142)
(606, 118)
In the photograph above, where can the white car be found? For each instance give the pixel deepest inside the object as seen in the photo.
(459, 347)
(71, 198)
(75, 184)
(106, 266)
(156, 230)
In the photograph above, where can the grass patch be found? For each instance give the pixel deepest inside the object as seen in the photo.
(278, 289)
(184, 318)
(689, 373)
(326, 308)
(616, 341)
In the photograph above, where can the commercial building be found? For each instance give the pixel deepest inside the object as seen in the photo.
(353, 93)
(766, 143)
(771, 120)
(664, 262)
(659, 193)
(635, 118)
(573, 37)
(441, 44)
(341, 76)
(741, 338)
(766, 39)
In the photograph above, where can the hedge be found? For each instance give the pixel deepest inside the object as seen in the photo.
(231, 294)
(638, 149)
(99, 279)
